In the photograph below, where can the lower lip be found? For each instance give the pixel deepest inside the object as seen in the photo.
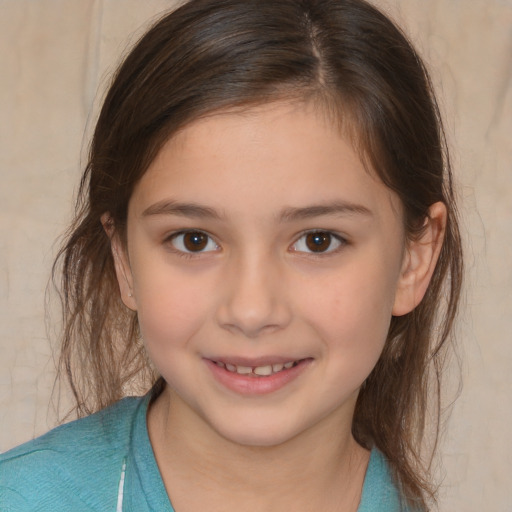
(256, 385)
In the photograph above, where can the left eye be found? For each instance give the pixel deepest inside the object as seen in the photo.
(193, 241)
(317, 242)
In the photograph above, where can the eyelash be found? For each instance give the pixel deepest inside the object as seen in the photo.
(186, 253)
(333, 237)
(341, 241)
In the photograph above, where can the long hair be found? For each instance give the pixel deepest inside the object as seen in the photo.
(214, 55)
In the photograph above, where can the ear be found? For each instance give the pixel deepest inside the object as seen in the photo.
(121, 263)
(420, 258)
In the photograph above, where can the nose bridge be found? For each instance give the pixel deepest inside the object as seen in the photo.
(254, 299)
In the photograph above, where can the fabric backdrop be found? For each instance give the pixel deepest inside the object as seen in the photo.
(55, 60)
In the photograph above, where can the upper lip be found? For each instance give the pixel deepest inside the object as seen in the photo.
(255, 361)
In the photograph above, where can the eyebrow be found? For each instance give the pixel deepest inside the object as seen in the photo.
(334, 208)
(167, 207)
(288, 214)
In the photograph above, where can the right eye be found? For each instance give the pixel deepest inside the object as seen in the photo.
(193, 242)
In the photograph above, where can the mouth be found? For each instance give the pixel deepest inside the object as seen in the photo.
(259, 376)
(265, 370)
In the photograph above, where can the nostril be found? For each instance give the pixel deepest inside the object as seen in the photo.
(252, 303)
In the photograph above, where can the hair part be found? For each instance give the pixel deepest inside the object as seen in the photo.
(218, 55)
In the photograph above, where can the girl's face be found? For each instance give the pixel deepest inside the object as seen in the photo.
(265, 264)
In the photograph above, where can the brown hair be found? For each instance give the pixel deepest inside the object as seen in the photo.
(210, 55)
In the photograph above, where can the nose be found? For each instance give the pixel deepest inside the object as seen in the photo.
(253, 298)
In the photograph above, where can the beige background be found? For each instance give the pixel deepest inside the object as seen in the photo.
(55, 55)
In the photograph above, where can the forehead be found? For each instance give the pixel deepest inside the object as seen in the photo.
(280, 153)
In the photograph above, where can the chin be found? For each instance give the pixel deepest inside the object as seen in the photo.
(258, 433)
(257, 438)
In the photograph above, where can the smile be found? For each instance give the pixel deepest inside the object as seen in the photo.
(257, 371)
(261, 377)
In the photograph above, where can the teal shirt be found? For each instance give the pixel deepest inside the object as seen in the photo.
(105, 463)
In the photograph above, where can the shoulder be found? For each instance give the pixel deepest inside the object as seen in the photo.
(380, 492)
(62, 466)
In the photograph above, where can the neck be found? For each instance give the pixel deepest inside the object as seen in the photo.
(322, 468)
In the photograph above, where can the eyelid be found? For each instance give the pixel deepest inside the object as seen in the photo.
(342, 242)
(169, 239)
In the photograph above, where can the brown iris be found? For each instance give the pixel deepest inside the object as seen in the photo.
(195, 241)
(318, 241)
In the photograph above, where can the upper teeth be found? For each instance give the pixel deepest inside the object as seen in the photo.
(256, 370)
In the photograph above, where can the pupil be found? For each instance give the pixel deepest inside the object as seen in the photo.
(195, 241)
(318, 242)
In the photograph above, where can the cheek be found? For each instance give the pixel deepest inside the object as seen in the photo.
(352, 310)
(171, 309)
(353, 326)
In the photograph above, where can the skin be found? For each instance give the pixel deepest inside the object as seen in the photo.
(255, 293)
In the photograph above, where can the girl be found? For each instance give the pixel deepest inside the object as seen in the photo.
(266, 243)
